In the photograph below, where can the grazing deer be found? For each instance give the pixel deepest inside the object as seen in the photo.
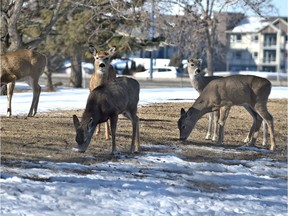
(105, 102)
(103, 73)
(199, 82)
(249, 91)
(22, 65)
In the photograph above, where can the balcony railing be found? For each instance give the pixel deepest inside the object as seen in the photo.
(269, 60)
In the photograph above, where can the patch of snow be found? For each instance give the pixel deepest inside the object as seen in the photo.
(150, 184)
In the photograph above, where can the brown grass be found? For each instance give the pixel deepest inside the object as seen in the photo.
(50, 136)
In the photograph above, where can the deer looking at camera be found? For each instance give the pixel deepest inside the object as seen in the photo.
(105, 102)
(249, 91)
(199, 81)
(22, 65)
(103, 73)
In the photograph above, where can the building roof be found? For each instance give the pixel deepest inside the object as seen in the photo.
(250, 24)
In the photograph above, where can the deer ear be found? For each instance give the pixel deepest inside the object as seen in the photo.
(76, 121)
(200, 60)
(92, 49)
(112, 50)
(182, 112)
(90, 125)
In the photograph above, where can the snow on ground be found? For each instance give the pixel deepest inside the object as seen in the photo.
(147, 184)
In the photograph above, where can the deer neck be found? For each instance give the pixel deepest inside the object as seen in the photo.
(198, 109)
(199, 82)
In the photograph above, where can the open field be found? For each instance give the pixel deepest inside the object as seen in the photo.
(50, 136)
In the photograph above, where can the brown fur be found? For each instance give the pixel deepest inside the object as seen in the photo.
(22, 65)
(105, 102)
(249, 91)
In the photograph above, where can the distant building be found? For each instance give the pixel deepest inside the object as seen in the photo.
(258, 44)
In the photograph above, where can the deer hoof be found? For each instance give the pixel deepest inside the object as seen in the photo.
(208, 137)
(246, 140)
(214, 139)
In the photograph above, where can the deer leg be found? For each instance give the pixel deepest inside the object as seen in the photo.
(107, 131)
(265, 134)
(253, 133)
(223, 114)
(262, 110)
(36, 94)
(210, 117)
(113, 124)
(215, 132)
(135, 132)
(135, 135)
(98, 129)
(10, 89)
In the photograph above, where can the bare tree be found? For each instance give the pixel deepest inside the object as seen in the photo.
(193, 28)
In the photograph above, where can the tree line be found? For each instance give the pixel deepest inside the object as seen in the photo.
(62, 29)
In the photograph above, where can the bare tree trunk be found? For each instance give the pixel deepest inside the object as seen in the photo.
(210, 67)
(76, 70)
(209, 52)
(4, 35)
(48, 72)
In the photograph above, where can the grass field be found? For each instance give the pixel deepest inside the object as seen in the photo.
(51, 136)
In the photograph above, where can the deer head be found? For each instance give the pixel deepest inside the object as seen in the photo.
(194, 66)
(102, 58)
(185, 125)
(84, 132)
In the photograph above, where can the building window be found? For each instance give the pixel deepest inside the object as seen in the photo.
(238, 37)
(255, 38)
(269, 56)
(255, 54)
(270, 40)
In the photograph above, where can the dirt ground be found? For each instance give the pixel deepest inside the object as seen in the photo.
(51, 136)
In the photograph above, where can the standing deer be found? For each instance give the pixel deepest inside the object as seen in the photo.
(199, 81)
(249, 91)
(105, 102)
(103, 73)
(22, 65)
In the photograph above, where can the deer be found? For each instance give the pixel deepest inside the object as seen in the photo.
(199, 81)
(22, 65)
(103, 73)
(249, 91)
(105, 102)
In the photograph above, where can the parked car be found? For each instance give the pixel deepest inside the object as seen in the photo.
(160, 72)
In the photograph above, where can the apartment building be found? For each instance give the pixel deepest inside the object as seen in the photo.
(258, 44)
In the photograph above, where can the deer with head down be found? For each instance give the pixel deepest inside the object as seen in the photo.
(105, 102)
(249, 91)
(103, 73)
(22, 65)
(199, 81)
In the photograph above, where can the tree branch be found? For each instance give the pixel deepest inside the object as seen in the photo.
(56, 15)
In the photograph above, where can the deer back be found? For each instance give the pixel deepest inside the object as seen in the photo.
(21, 64)
(234, 90)
(113, 98)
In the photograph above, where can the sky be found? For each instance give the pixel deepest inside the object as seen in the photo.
(152, 183)
(281, 6)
